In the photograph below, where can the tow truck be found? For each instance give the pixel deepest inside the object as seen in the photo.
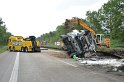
(15, 43)
(18, 43)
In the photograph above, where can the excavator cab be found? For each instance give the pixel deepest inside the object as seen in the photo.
(101, 40)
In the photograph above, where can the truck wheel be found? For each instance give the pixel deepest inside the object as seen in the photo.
(13, 49)
(33, 50)
(26, 49)
(10, 49)
(22, 49)
(39, 50)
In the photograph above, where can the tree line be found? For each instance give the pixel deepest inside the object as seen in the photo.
(109, 19)
(4, 35)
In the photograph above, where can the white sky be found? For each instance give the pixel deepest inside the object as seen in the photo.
(36, 17)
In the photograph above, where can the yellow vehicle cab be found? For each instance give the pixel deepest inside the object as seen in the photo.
(15, 43)
(18, 43)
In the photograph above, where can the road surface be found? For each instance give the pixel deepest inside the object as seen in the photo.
(41, 67)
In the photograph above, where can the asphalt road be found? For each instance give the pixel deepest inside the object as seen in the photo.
(41, 67)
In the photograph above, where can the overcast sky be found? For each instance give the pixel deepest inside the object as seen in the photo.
(36, 17)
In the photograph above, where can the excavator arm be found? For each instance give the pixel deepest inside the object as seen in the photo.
(78, 21)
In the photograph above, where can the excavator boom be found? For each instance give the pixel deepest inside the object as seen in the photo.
(79, 21)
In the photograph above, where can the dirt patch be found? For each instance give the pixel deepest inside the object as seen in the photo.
(59, 54)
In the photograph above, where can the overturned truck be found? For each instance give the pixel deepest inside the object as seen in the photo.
(80, 43)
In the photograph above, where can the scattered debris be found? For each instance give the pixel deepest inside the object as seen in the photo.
(112, 65)
(111, 62)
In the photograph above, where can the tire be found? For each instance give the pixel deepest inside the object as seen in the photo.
(22, 49)
(33, 50)
(13, 49)
(26, 49)
(10, 49)
(38, 50)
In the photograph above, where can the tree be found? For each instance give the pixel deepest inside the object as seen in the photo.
(114, 13)
(110, 16)
(93, 18)
(4, 35)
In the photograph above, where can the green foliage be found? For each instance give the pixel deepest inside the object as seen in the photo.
(93, 19)
(116, 42)
(3, 34)
(113, 18)
(54, 36)
(109, 16)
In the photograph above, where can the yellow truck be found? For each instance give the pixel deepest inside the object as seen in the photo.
(18, 43)
(30, 45)
(15, 43)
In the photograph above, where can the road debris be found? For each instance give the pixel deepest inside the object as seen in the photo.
(111, 62)
(112, 65)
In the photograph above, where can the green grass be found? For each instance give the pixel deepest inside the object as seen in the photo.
(115, 43)
(115, 46)
(3, 49)
(109, 50)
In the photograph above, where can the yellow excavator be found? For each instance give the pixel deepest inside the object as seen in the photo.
(101, 40)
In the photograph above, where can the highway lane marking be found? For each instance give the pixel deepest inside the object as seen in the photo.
(14, 74)
(66, 63)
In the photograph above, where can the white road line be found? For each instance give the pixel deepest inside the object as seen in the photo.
(67, 63)
(14, 74)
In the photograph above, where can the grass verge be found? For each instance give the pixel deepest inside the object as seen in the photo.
(3, 49)
(117, 43)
